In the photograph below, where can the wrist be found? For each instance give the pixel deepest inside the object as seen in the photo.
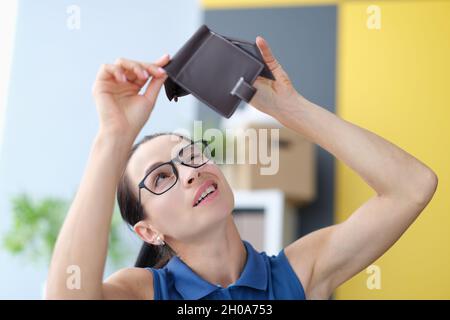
(113, 141)
(296, 103)
(112, 151)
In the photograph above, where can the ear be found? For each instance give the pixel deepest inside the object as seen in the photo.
(147, 233)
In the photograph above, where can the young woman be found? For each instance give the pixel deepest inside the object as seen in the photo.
(181, 205)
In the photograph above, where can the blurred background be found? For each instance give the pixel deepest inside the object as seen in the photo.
(383, 65)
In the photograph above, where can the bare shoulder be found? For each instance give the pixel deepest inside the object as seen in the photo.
(129, 283)
(302, 255)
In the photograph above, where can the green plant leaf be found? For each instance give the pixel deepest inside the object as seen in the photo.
(36, 224)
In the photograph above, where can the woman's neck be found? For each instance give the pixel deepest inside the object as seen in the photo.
(220, 258)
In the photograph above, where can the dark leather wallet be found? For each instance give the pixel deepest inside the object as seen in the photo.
(218, 70)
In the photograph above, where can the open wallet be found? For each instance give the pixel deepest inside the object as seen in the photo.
(218, 70)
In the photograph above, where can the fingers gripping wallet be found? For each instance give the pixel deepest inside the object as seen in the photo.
(218, 70)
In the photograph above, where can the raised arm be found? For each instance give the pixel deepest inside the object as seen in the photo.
(404, 185)
(82, 243)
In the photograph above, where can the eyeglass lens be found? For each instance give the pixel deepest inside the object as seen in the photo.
(163, 177)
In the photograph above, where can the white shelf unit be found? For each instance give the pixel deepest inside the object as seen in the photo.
(280, 218)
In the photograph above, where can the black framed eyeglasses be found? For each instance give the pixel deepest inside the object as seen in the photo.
(164, 176)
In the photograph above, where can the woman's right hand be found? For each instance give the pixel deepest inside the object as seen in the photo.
(122, 110)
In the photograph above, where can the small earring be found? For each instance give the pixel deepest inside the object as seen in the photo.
(160, 242)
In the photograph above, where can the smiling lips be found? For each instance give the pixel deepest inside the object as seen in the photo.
(206, 192)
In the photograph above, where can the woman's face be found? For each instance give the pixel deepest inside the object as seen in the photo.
(176, 213)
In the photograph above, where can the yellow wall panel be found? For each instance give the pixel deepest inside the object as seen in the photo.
(395, 81)
(230, 4)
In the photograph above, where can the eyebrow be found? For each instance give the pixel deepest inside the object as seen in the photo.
(153, 166)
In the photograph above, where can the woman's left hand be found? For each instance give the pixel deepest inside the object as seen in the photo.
(272, 96)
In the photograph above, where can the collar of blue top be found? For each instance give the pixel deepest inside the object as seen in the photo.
(193, 287)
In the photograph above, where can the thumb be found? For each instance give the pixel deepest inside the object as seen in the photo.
(269, 58)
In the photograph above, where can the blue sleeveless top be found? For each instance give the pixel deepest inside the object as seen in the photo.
(263, 278)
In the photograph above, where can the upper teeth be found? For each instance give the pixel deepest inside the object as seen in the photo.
(210, 189)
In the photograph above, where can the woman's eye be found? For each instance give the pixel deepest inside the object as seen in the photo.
(160, 176)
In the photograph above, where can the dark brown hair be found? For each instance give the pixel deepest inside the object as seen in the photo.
(150, 255)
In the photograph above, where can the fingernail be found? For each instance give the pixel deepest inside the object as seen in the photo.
(161, 70)
(124, 78)
(145, 74)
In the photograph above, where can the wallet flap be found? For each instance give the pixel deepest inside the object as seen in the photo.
(243, 90)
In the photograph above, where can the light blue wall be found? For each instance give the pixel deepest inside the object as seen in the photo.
(51, 118)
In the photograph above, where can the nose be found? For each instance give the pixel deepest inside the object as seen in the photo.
(189, 175)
